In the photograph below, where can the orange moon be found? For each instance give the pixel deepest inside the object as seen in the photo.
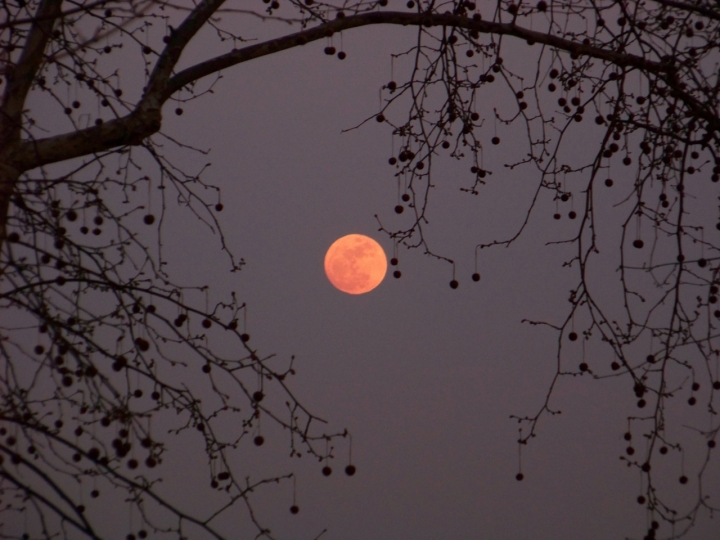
(355, 264)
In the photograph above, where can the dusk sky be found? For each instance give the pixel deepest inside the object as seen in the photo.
(424, 377)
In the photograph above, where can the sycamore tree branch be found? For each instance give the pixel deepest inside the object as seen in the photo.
(704, 10)
(21, 76)
(251, 52)
(146, 118)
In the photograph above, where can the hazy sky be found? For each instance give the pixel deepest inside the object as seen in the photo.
(423, 376)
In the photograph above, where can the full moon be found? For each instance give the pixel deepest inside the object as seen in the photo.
(355, 264)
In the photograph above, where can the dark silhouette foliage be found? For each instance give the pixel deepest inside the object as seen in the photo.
(93, 328)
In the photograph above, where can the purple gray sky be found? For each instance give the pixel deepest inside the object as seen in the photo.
(424, 377)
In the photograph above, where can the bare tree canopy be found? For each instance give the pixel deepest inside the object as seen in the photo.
(607, 97)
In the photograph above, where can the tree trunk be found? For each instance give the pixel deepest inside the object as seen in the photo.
(8, 180)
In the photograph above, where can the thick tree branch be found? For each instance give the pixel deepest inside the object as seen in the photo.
(146, 119)
(20, 77)
(259, 50)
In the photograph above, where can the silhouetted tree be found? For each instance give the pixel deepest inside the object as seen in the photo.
(81, 251)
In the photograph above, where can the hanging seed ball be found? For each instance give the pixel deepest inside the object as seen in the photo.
(244, 338)
(350, 470)
(445, 145)
(572, 336)
(683, 479)
(341, 55)
(495, 140)
(39, 349)
(711, 444)
(702, 263)
(565, 197)
(645, 467)
(394, 261)
(519, 476)
(206, 368)
(329, 51)
(454, 284)
(138, 393)
(142, 534)
(399, 209)
(84, 230)
(380, 118)
(641, 403)
(45, 258)
(178, 111)
(630, 450)
(716, 385)
(609, 182)
(392, 86)
(556, 216)
(627, 436)
(224, 475)
(219, 207)
(326, 470)
(155, 395)
(641, 499)
(405, 197)
(76, 104)
(94, 493)
(146, 50)
(207, 323)
(149, 219)
(476, 277)
(392, 161)
(150, 462)
(583, 367)
(259, 440)
(71, 215)
(294, 509)
(663, 450)
(397, 274)
(572, 214)
(98, 220)
(638, 244)
(258, 396)
(695, 386)
(132, 464)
